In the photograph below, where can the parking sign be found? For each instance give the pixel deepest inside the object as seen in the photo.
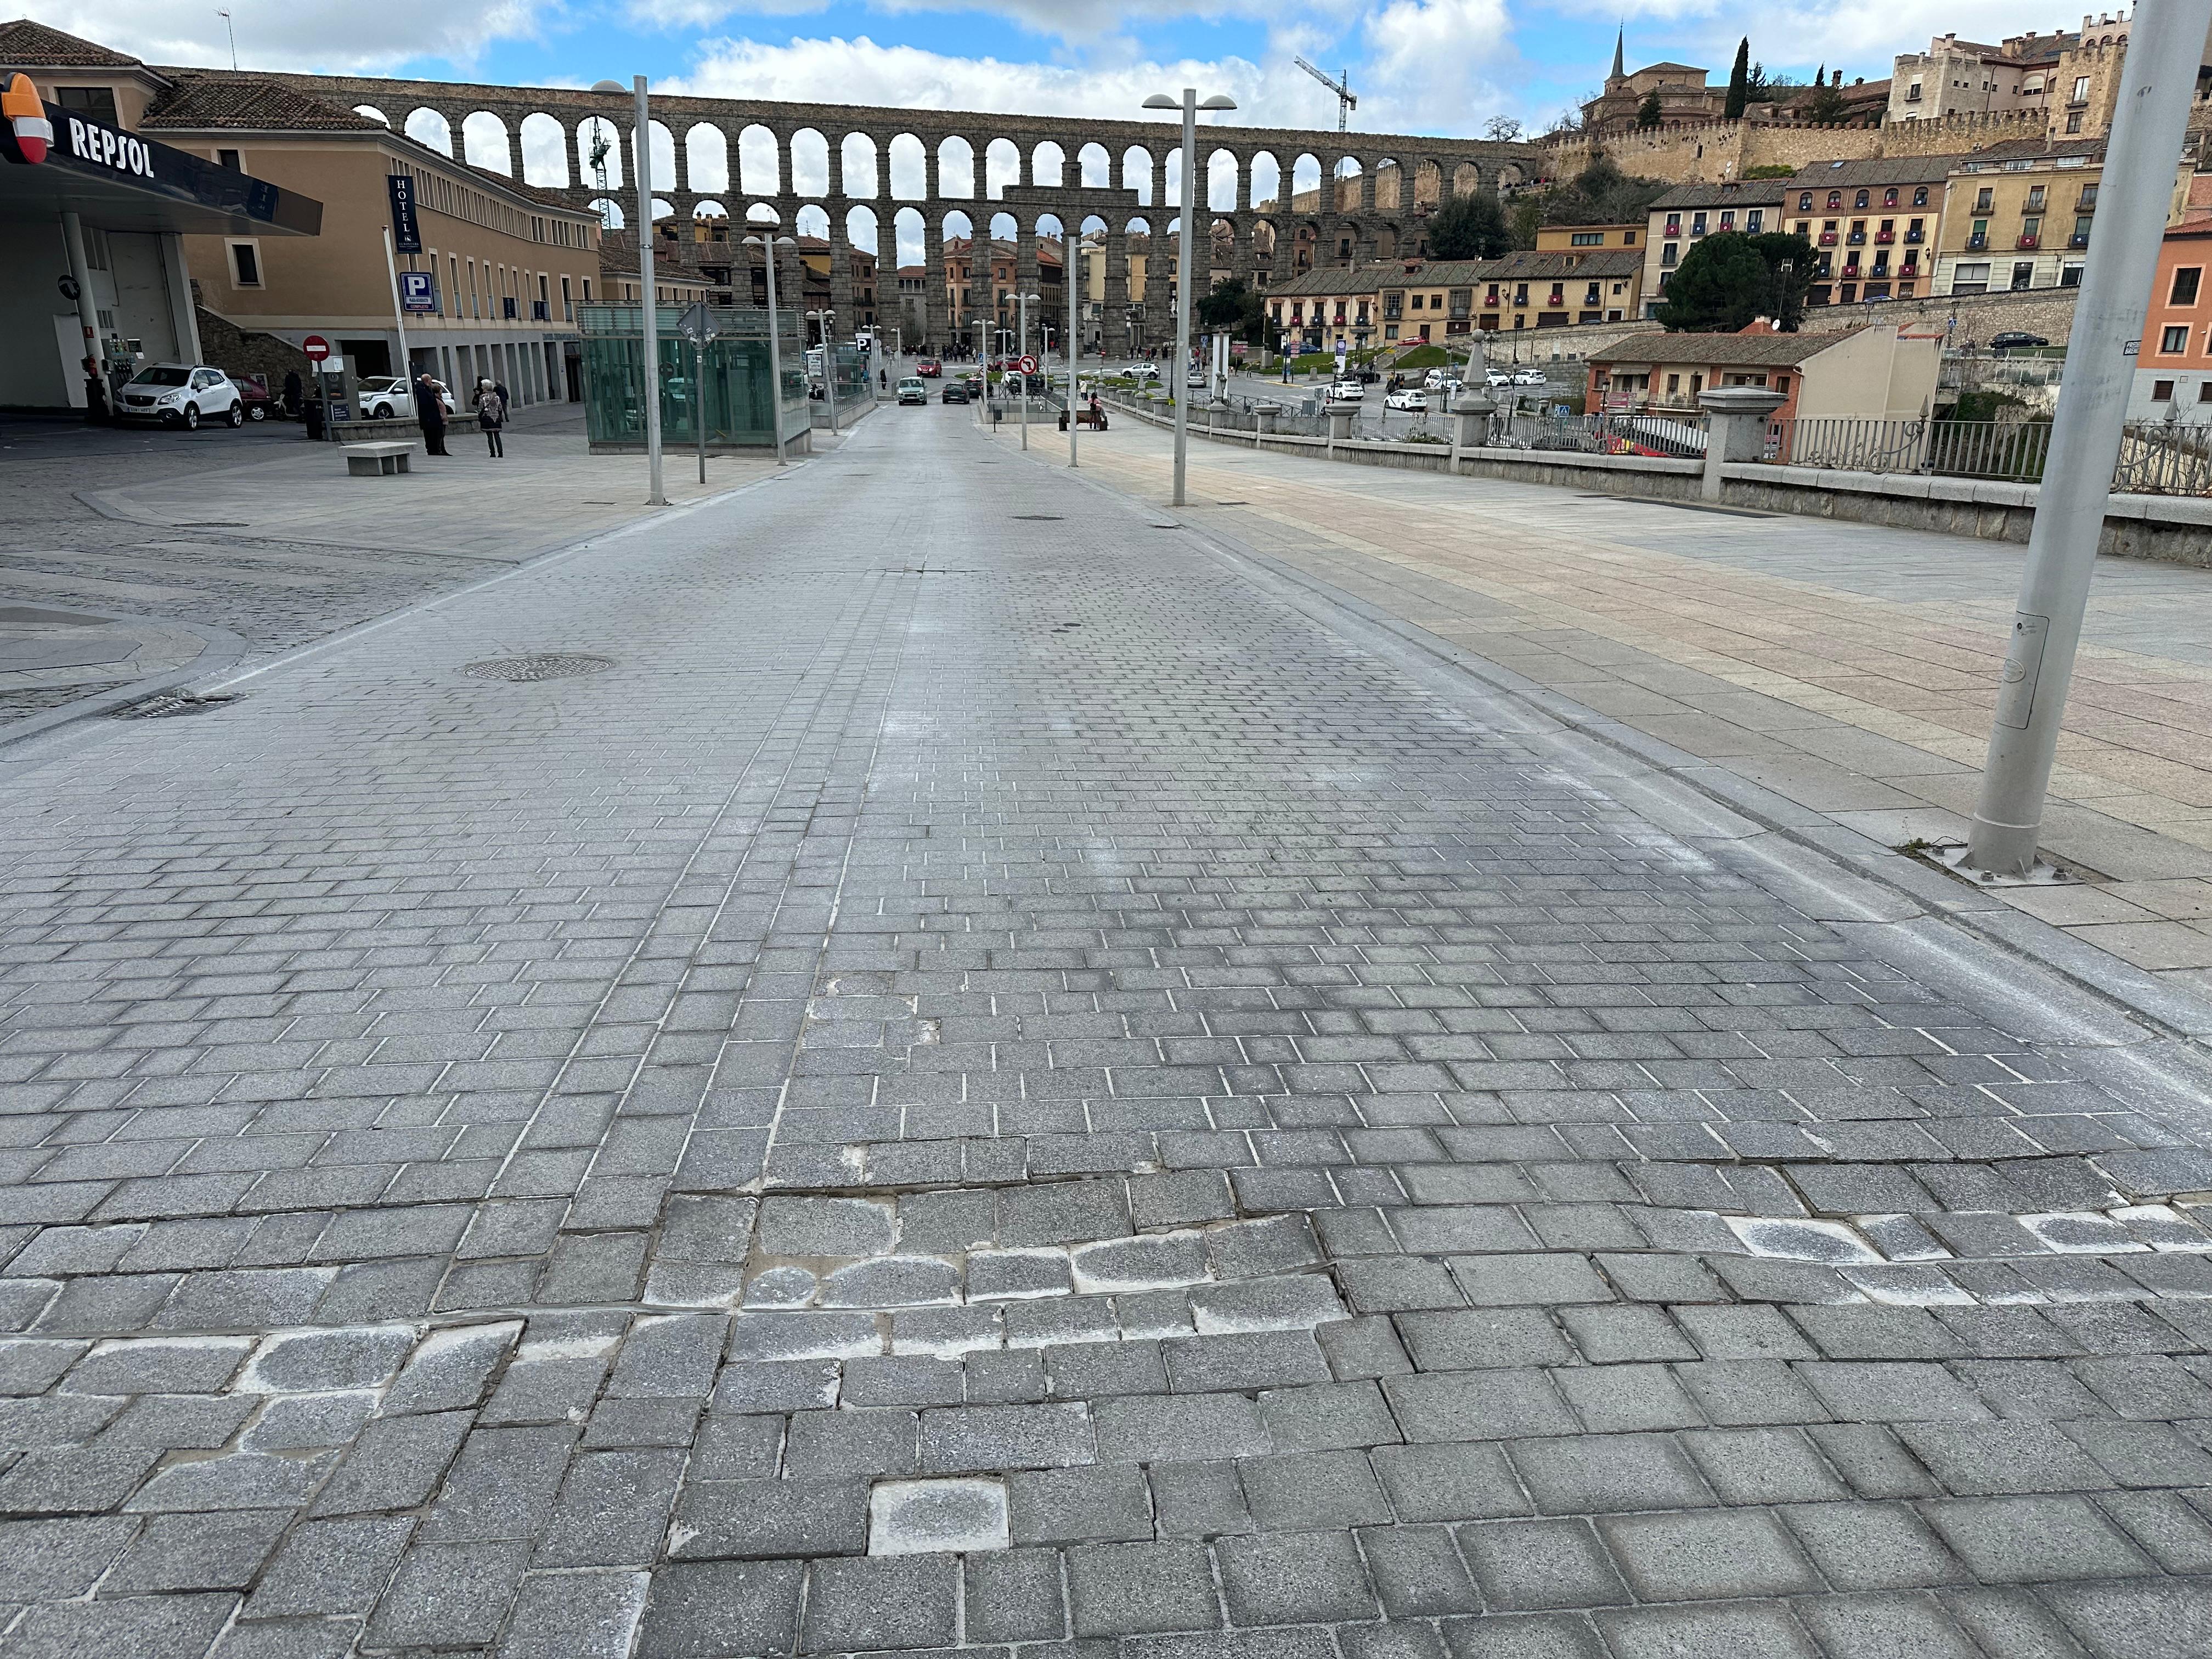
(418, 290)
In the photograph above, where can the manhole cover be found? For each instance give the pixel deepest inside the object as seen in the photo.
(169, 702)
(551, 665)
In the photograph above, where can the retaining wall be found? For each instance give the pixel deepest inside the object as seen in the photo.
(2170, 529)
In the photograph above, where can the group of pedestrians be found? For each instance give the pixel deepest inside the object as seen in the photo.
(491, 405)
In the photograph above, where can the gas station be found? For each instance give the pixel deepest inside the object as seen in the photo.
(94, 283)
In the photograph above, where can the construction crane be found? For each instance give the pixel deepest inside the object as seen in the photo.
(1346, 103)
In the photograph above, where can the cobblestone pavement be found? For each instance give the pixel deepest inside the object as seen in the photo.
(1029, 1091)
(130, 553)
(1849, 669)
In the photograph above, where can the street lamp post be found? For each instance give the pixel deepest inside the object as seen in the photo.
(2157, 83)
(828, 362)
(1071, 262)
(768, 242)
(649, 318)
(1022, 302)
(1190, 105)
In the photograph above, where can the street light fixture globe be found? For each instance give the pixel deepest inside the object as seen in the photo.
(1219, 101)
(1161, 100)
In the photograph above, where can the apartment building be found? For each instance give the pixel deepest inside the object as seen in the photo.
(1332, 305)
(1552, 288)
(2173, 362)
(1868, 373)
(1874, 225)
(2019, 216)
(1683, 215)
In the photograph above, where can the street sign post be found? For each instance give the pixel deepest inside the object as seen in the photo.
(1027, 365)
(418, 291)
(316, 348)
(697, 325)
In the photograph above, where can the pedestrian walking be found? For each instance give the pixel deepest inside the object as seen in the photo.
(430, 411)
(291, 392)
(505, 402)
(491, 415)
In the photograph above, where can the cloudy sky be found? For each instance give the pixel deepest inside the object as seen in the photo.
(1418, 65)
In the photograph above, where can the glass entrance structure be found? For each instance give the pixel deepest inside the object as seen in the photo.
(741, 407)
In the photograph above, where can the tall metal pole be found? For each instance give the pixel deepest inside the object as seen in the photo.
(699, 401)
(1070, 262)
(775, 352)
(398, 312)
(2156, 84)
(1184, 245)
(649, 320)
(1022, 351)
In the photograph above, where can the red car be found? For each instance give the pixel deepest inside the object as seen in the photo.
(929, 369)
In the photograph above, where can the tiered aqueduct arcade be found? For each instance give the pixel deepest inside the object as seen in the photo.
(910, 177)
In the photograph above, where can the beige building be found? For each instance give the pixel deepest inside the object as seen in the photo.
(2019, 216)
(1865, 374)
(507, 262)
(1331, 306)
(1685, 215)
(1553, 288)
(1874, 226)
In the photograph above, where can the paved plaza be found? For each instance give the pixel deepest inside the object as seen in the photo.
(930, 1057)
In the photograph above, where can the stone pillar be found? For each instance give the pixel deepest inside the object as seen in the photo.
(1113, 335)
(1470, 423)
(836, 180)
(843, 296)
(936, 304)
(1735, 429)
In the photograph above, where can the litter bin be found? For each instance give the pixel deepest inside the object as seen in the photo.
(312, 411)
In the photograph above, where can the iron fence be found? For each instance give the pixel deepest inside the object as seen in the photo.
(1681, 433)
(2012, 451)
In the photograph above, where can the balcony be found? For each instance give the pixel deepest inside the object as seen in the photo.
(2029, 242)
(1851, 273)
(1913, 237)
(1977, 243)
(1673, 228)
(2079, 239)
(1884, 238)
(1857, 239)
(1827, 239)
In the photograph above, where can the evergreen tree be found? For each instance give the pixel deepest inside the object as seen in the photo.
(1739, 90)
(1648, 113)
(1729, 279)
(1470, 227)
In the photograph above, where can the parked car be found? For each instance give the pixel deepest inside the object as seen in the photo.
(1498, 376)
(386, 396)
(1532, 377)
(1408, 397)
(959, 391)
(2015, 339)
(259, 404)
(912, 390)
(181, 394)
(929, 369)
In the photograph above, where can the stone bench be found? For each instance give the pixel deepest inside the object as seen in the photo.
(372, 460)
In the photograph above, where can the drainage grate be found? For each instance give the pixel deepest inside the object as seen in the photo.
(551, 665)
(1163, 527)
(169, 702)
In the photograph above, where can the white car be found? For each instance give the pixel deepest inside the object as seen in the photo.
(1437, 380)
(180, 394)
(1408, 397)
(1532, 377)
(1497, 377)
(1148, 373)
(1347, 391)
(381, 399)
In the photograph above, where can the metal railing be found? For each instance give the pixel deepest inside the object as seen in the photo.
(2158, 459)
(2012, 451)
(1622, 432)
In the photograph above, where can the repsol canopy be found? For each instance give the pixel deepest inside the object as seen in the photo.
(121, 181)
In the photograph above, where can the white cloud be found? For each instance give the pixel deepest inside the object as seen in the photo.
(1436, 65)
(336, 36)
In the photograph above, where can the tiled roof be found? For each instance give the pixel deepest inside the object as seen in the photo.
(1873, 170)
(26, 44)
(1730, 350)
(1328, 280)
(1530, 267)
(198, 101)
(1747, 193)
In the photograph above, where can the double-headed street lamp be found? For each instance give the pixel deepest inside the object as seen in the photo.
(1190, 104)
(828, 362)
(768, 242)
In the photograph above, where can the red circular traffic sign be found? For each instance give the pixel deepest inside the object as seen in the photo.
(1028, 365)
(316, 347)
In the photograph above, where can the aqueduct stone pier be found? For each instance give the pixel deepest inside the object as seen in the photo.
(912, 180)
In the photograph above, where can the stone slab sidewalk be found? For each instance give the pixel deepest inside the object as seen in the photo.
(1849, 668)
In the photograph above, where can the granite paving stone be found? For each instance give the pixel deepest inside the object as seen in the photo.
(1098, 1102)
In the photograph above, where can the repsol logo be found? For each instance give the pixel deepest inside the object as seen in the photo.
(105, 146)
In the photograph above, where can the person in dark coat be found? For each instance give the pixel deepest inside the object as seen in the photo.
(430, 410)
(291, 392)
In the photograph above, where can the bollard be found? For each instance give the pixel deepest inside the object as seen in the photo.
(1735, 429)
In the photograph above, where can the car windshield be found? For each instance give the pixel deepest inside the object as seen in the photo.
(162, 375)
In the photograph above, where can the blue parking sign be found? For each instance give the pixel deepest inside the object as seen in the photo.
(418, 290)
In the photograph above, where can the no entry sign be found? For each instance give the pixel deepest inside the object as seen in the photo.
(316, 347)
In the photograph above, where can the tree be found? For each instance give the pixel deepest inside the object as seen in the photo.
(1739, 92)
(1825, 107)
(1730, 279)
(1470, 227)
(1502, 129)
(1232, 306)
(1649, 112)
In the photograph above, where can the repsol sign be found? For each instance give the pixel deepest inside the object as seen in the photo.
(103, 146)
